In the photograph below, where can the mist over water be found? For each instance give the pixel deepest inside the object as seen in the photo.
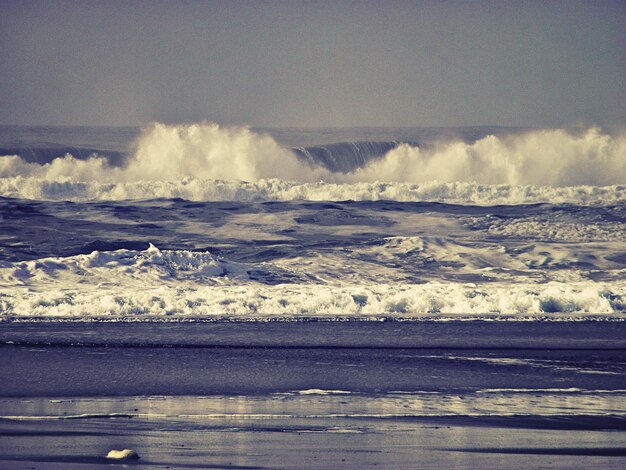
(543, 158)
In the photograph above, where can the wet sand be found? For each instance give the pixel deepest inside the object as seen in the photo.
(300, 431)
(314, 395)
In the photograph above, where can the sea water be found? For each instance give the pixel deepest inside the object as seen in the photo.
(211, 221)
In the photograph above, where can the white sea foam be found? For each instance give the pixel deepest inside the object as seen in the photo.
(553, 227)
(170, 153)
(291, 300)
(120, 268)
(210, 162)
(543, 158)
(129, 283)
(280, 190)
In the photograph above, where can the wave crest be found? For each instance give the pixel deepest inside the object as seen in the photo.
(169, 153)
(210, 162)
(543, 158)
(210, 151)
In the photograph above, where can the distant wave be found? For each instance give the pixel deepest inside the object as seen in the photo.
(43, 154)
(192, 189)
(196, 162)
(344, 157)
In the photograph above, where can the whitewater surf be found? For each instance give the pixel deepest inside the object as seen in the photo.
(205, 221)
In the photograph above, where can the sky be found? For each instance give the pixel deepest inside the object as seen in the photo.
(313, 63)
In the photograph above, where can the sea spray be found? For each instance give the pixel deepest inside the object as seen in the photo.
(208, 151)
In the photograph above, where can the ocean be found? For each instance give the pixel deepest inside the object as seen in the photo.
(208, 221)
(228, 297)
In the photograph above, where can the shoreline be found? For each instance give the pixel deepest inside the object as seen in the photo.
(320, 394)
(316, 432)
(87, 359)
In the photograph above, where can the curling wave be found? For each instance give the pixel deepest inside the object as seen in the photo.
(344, 157)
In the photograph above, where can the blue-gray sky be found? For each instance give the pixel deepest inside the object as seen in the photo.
(318, 64)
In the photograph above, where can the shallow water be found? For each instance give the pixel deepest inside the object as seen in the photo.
(238, 440)
(314, 394)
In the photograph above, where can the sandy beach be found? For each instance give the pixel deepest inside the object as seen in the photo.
(332, 395)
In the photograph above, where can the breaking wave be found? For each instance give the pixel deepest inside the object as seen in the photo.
(194, 189)
(552, 300)
(209, 162)
(157, 282)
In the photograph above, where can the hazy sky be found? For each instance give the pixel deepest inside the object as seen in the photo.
(336, 63)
